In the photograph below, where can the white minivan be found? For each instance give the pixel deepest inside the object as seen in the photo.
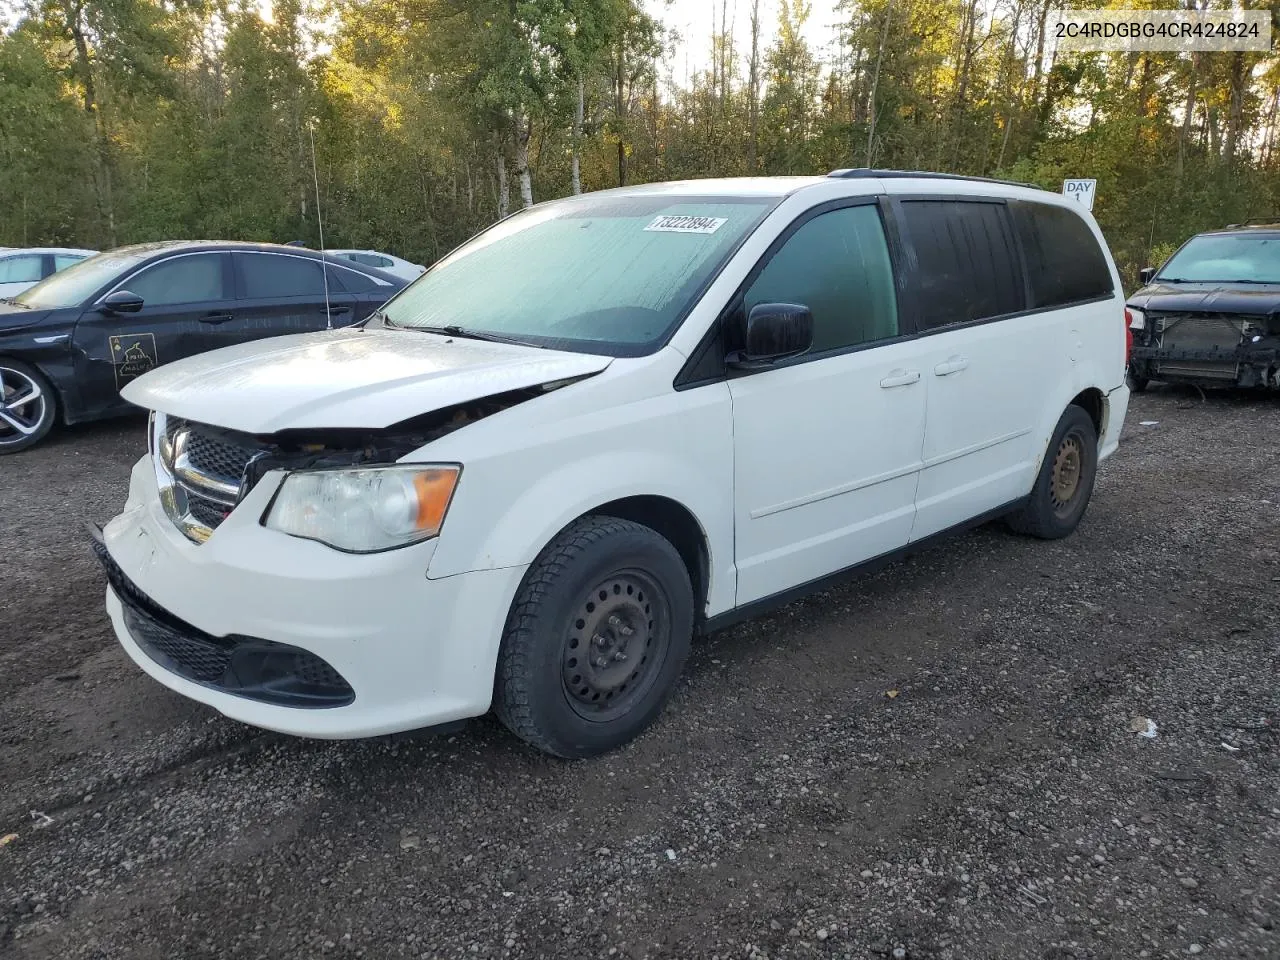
(602, 426)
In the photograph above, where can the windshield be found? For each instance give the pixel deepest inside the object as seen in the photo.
(72, 286)
(604, 274)
(1226, 258)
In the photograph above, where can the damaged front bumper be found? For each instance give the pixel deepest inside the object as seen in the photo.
(292, 636)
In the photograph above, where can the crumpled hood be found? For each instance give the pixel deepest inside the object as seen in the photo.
(1254, 299)
(346, 378)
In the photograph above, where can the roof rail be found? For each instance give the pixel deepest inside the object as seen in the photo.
(854, 173)
(1245, 223)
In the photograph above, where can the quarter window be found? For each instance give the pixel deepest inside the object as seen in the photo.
(20, 269)
(269, 275)
(836, 264)
(189, 279)
(1065, 264)
(967, 265)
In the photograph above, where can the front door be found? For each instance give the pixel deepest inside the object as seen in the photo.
(827, 446)
(186, 300)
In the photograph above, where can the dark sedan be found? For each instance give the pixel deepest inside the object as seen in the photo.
(1211, 315)
(71, 342)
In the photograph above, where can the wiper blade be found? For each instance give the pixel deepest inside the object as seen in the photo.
(453, 330)
(15, 302)
(1270, 283)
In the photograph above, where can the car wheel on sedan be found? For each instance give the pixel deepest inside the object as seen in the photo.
(1065, 482)
(595, 639)
(27, 406)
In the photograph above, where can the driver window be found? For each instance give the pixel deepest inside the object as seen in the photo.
(836, 264)
(190, 279)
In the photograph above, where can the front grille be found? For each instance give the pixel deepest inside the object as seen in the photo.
(248, 667)
(218, 455)
(1199, 345)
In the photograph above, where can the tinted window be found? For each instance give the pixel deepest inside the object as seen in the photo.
(20, 269)
(836, 264)
(968, 269)
(189, 279)
(1064, 262)
(63, 260)
(352, 281)
(368, 259)
(273, 275)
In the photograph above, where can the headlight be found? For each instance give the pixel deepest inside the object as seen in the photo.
(367, 509)
(1137, 319)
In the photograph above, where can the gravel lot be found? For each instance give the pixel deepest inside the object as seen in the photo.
(788, 805)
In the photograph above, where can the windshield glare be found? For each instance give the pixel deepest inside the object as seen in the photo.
(602, 274)
(72, 286)
(1226, 258)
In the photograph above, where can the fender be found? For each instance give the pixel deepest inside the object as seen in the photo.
(532, 469)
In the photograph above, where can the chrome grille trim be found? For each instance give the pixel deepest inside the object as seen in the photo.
(194, 474)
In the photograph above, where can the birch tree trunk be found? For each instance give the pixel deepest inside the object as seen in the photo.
(504, 188)
(753, 89)
(872, 114)
(524, 129)
(577, 138)
(101, 154)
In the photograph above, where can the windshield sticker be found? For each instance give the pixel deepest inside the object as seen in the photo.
(132, 355)
(684, 224)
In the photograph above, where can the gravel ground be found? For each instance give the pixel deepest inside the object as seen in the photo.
(936, 761)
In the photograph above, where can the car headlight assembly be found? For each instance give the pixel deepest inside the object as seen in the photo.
(366, 509)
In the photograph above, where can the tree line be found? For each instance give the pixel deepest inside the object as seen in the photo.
(422, 121)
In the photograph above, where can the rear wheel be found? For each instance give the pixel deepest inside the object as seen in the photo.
(595, 639)
(1065, 482)
(27, 407)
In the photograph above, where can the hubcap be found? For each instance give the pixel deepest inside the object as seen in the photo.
(22, 405)
(1067, 464)
(616, 644)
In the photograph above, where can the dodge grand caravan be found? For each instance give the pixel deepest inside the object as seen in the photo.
(601, 426)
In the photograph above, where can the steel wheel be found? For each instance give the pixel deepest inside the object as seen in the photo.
(24, 405)
(616, 645)
(1065, 479)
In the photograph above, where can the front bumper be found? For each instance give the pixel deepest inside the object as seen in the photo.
(413, 652)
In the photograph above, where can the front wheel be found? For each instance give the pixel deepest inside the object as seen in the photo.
(27, 406)
(595, 639)
(1065, 482)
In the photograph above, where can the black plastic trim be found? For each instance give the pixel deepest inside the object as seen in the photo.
(251, 666)
(870, 173)
(756, 608)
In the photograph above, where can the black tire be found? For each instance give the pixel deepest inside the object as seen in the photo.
(1137, 382)
(23, 425)
(560, 685)
(1058, 502)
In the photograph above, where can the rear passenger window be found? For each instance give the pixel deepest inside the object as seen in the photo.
(968, 267)
(836, 264)
(351, 280)
(269, 275)
(1065, 264)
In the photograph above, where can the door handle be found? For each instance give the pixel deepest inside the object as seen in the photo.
(950, 366)
(339, 311)
(216, 318)
(900, 378)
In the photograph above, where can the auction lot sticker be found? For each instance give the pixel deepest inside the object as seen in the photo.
(1093, 31)
(132, 355)
(684, 224)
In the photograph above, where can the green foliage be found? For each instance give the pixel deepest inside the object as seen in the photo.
(127, 120)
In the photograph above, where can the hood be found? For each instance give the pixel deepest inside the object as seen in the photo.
(16, 317)
(365, 379)
(1256, 299)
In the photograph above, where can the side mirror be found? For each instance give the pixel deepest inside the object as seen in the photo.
(775, 331)
(121, 301)
(1146, 275)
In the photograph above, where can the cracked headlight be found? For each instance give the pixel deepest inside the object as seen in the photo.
(366, 509)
